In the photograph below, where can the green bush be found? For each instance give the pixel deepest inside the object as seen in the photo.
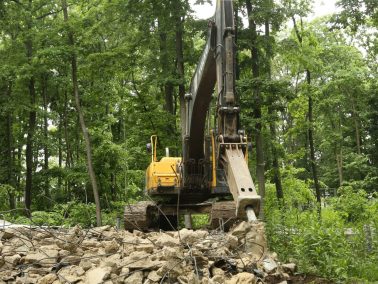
(81, 214)
(320, 246)
(42, 218)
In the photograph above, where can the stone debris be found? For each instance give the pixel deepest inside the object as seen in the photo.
(110, 256)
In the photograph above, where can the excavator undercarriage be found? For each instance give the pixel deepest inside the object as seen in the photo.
(149, 215)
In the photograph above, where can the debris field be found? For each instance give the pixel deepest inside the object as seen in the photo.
(106, 255)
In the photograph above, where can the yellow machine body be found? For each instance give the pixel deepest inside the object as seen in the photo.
(163, 174)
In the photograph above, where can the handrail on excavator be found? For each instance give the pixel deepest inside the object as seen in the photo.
(153, 148)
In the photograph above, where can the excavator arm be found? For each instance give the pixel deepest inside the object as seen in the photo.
(216, 69)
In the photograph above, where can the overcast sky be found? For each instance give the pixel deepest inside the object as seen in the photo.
(321, 8)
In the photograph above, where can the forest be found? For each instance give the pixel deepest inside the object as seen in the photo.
(84, 84)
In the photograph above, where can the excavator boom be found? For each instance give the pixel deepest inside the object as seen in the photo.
(216, 67)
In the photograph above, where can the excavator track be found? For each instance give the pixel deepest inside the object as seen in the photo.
(140, 216)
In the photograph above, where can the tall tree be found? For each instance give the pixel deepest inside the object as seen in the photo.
(257, 112)
(75, 85)
(310, 130)
(32, 113)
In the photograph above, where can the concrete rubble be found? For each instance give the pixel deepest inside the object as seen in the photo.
(106, 255)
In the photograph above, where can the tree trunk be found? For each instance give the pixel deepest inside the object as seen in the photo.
(272, 123)
(81, 119)
(180, 63)
(66, 138)
(311, 142)
(45, 144)
(31, 122)
(356, 127)
(260, 167)
(310, 126)
(339, 161)
(10, 154)
(275, 163)
(60, 151)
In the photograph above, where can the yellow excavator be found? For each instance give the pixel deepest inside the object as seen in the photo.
(212, 176)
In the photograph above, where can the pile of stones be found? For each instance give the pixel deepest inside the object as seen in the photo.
(106, 255)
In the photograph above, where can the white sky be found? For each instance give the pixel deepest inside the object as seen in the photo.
(321, 8)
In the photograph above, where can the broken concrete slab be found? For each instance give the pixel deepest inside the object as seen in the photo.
(269, 265)
(97, 275)
(242, 278)
(135, 278)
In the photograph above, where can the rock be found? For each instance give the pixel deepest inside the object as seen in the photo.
(78, 271)
(242, 278)
(172, 252)
(89, 243)
(189, 278)
(85, 264)
(232, 241)
(2, 262)
(217, 271)
(63, 253)
(114, 265)
(7, 234)
(97, 275)
(255, 242)
(72, 259)
(269, 265)
(125, 271)
(173, 267)
(100, 230)
(47, 279)
(145, 264)
(283, 282)
(135, 278)
(286, 276)
(289, 267)
(153, 276)
(72, 240)
(22, 250)
(241, 229)
(111, 247)
(35, 257)
(51, 253)
(218, 279)
(12, 259)
(190, 236)
(67, 274)
(48, 241)
(165, 240)
(145, 247)
(222, 251)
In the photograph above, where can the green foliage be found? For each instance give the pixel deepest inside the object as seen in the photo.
(298, 193)
(81, 214)
(200, 221)
(5, 189)
(351, 205)
(335, 246)
(42, 218)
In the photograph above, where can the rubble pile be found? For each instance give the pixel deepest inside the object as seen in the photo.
(107, 255)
